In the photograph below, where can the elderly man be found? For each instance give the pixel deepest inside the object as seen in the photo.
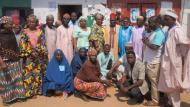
(112, 35)
(174, 73)
(51, 35)
(137, 33)
(65, 38)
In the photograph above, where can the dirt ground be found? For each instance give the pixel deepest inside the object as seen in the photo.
(73, 101)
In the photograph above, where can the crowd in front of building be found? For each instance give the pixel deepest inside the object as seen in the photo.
(146, 62)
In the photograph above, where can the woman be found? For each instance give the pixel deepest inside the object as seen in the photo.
(87, 80)
(78, 60)
(34, 53)
(11, 84)
(81, 34)
(97, 35)
(58, 79)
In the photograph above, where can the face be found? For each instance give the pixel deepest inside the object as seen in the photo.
(147, 28)
(168, 20)
(92, 58)
(112, 23)
(73, 16)
(125, 23)
(99, 20)
(17, 29)
(32, 23)
(66, 19)
(131, 58)
(140, 22)
(152, 25)
(106, 49)
(128, 48)
(50, 21)
(83, 23)
(82, 53)
(8, 26)
(59, 56)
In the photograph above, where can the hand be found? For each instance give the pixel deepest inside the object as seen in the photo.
(109, 75)
(145, 40)
(4, 66)
(124, 89)
(107, 82)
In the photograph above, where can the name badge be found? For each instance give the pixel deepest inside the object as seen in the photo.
(62, 68)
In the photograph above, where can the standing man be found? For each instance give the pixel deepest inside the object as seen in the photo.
(153, 44)
(124, 36)
(65, 38)
(112, 35)
(174, 73)
(73, 22)
(50, 34)
(137, 33)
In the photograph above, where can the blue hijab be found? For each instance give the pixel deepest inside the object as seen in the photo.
(77, 62)
(124, 37)
(58, 75)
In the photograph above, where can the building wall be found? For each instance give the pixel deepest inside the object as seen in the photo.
(185, 16)
(41, 7)
(14, 3)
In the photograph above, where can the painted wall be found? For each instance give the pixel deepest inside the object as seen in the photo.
(185, 16)
(44, 7)
(14, 3)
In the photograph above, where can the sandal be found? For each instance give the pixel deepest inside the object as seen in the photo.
(150, 103)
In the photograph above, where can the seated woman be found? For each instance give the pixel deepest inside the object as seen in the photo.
(87, 80)
(78, 60)
(58, 79)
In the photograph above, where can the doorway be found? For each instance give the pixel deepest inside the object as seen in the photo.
(62, 9)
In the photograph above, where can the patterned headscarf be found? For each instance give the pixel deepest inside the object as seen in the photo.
(5, 19)
(92, 52)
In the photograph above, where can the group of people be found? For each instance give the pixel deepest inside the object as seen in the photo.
(69, 57)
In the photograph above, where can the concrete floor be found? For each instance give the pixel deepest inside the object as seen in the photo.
(72, 101)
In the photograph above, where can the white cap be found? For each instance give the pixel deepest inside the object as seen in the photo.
(171, 13)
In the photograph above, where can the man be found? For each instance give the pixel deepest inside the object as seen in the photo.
(133, 83)
(137, 33)
(64, 38)
(124, 36)
(97, 36)
(118, 68)
(105, 60)
(51, 35)
(174, 73)
(112, 35)
(153, 44)
(73, 22)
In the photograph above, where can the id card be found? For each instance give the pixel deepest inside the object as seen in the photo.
(62, 68)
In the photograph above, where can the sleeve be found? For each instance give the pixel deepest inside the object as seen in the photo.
(121, 59)
(158, 39)
(180, 37)
(142, 71)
